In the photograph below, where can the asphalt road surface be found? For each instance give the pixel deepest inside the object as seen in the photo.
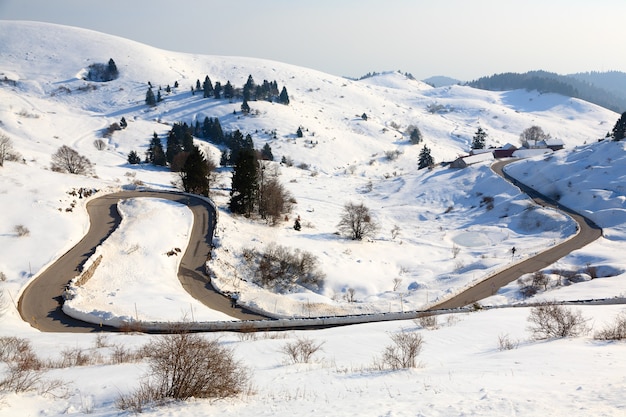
(587, 233)
(40, 303)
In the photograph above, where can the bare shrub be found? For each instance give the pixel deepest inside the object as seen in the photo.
(531, 284)
(550, 320)
(25, 369)
(138, 399)
(301, 350)
(21, 380)
(3, 276)
(247, 332)
(392, 155)
(404, 351)
(101, 341)
(18, 350)
(396, 283)
(427, 322)
(66, 159)
(613, 331)
(121, 354)
(6, 148)
(592, 271)
(456, 249)
(4, 304)
(274, 199)
(395, 231)
(356, 221)
(74, 357)
(113, 127)
(487, 202)
(540, 280)
(99, 144)
(505, 342)
(350, 295)
(21, 230)
(281, 269)
(185, 365)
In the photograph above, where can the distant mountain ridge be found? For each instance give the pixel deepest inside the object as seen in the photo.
(607, 89)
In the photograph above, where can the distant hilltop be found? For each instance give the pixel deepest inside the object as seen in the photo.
(606, 89)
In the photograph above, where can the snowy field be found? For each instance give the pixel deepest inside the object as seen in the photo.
(436, 235)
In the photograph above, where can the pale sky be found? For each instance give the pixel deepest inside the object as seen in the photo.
(463, 39)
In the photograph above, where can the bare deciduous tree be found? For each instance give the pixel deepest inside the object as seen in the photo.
(66, 159)
(273, 199)
(6, 147)
(533, 134)
(356, 221)
(549, 320)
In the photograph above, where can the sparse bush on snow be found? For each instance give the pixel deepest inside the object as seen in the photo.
(505, 342)
(185, 365)
(301, 350)
(282, 269)
(550, 320)
(403, 352)
(427, 322)
(613, 331)
(21, 230)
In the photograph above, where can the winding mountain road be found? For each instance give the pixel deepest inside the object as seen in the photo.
(41, 301)
(587, 233)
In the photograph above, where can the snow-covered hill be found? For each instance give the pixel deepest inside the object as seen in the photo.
(440, 229)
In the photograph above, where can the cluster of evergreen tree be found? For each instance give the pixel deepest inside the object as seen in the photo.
(548, 82)
(250, 91)
(529, 81)
(619, 130)
(102, 72)
(256, 189)
(268, 90)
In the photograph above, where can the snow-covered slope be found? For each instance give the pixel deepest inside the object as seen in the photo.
(440, 229)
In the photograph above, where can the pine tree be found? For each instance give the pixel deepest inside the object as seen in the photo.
(299, 132)
(173, 147)
(229, 91)
(245, 107)
(155, 154)
(159, 98)
(479, 139)
(266, 153)
(207, 87)
(619, 130)
(250, 83)
(123, 123)
(284, 97)
(425, 158)
(198, 87)
(133, 158)
(244, 189)
(150, 99)
(195, 174)
(217, 90)
(112, 70)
